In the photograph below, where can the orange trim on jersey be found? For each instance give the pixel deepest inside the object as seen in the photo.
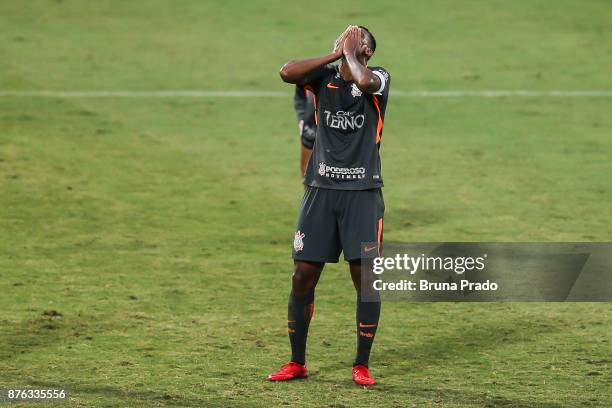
(379, 126)
(314, 96)
(380, 231)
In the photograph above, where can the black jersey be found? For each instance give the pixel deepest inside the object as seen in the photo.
(349, 131)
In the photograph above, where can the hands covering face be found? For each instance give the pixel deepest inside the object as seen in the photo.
(339, 43)
(351, 42)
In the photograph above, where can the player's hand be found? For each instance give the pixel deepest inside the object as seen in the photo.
(339, 43)
(352, 42)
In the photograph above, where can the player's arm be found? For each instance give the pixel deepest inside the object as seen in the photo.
(296, 71)
(364, 78)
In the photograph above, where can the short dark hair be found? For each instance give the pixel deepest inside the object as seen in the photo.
(369, 38)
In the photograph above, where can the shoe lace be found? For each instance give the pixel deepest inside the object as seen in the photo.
(286, 367)
(361, 372)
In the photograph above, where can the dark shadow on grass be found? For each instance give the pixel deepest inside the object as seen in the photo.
(407, 218)
(436, 396)
(43, 330)
(28, 335)
(467, 340)
(142, 398)
(442, 396)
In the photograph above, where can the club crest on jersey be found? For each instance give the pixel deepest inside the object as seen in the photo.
(298, 242)
(322, 169)
(355, 91)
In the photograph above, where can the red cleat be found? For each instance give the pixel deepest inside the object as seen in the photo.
(362, 376)
(289, 371)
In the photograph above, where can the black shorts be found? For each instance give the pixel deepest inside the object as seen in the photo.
(332, 221)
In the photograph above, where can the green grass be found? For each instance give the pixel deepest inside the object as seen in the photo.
(160, 228)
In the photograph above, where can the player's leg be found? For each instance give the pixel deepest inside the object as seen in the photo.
(316, 242)
(300, 310)
(362, 222)
(367, 316)
(301, 306)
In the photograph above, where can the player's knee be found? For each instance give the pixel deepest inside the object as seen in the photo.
(307, 142)
(356, 275)
(303, 279)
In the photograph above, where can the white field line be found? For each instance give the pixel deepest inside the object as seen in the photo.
(279, 94)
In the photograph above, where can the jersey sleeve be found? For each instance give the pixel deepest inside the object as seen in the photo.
(314, 79)
(385, 80)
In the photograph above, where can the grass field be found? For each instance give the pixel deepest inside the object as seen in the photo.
(145, 242)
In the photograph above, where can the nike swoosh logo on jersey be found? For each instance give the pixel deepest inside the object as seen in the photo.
(332, 86)
(368, 249)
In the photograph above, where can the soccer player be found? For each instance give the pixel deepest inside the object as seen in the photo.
(303, 102)
(343, 203)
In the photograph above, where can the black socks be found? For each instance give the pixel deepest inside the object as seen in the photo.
(298, 320)
(300, 312)
(368, 314)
